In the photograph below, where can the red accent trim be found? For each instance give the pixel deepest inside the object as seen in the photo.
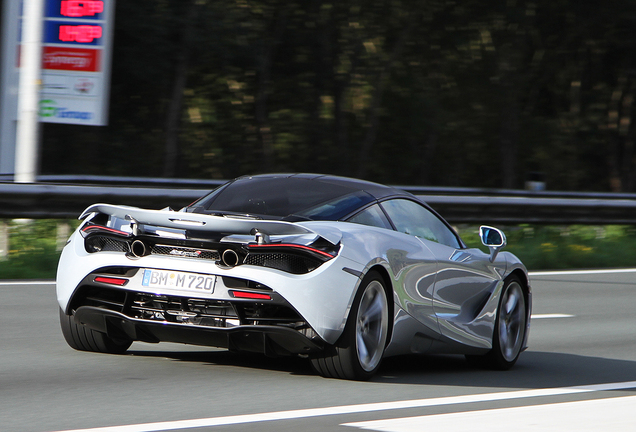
(103, 228)
(111, 281)
(250, 295)
(293, 246)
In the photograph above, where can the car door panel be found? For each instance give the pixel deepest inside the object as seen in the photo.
(463, 297)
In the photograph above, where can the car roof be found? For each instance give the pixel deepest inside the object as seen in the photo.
(377, 190)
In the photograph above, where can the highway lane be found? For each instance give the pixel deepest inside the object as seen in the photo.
(582, 335)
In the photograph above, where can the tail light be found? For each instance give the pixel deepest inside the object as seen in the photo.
(111, 280)
(291, 258)
(249, 295)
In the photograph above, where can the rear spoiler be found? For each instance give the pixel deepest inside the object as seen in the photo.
(202, 222)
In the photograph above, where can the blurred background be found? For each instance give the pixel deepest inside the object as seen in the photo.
(450, 93)
(502, 94)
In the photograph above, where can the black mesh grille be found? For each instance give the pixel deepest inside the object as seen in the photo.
(288, 262)
(185, 252)
(107, 244)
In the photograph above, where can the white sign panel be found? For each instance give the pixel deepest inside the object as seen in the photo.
(77, 42)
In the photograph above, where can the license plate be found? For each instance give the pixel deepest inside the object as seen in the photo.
(179, 280)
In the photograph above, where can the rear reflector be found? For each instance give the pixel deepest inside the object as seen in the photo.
(111, 281)
(250, 295)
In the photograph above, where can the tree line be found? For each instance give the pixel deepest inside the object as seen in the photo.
(431, 92)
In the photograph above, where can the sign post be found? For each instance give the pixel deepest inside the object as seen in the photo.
(9, 87)
(27, 136)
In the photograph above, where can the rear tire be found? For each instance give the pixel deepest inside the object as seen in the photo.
(358, 353)
(510, 329)
(82, 338)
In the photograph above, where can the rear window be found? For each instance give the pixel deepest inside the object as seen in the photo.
(283, 197)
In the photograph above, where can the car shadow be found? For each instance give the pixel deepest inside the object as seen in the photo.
(533, 370)
(293, 365)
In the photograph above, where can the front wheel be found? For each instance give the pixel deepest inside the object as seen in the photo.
(358, 352)
(510, 329)
(82, 338)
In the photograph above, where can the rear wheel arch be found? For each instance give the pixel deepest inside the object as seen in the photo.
(358, 352)
(388, 287)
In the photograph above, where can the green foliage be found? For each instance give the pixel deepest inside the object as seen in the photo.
(34, 249)
(566, 247)
(441, 92)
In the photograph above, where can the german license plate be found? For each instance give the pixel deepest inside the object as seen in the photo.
(179, 280)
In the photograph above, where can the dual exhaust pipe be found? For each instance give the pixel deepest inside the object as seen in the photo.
(138, 249)
(229, 257)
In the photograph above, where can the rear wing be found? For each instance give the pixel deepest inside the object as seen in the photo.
(229, 225)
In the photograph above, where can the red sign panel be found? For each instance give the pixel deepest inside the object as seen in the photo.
(80, 33)
(71, 59)
(78, 9)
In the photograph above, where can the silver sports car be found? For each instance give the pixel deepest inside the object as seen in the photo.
(340, 271)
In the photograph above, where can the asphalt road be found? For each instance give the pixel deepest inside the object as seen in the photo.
(578, 374)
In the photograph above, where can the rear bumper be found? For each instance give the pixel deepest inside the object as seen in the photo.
(269, 340)
(321, 298)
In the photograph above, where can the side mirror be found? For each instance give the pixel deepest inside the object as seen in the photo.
(494, 238)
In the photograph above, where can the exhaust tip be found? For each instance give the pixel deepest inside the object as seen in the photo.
(230, 258)
(138, 249)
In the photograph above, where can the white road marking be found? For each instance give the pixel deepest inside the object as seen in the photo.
(612, 414)
(357, 409)
(579, 272)
(20, 282)
(550, 316)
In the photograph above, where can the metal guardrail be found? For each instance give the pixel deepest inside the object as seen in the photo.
(48, 201)
(181, 183)
(537, 210)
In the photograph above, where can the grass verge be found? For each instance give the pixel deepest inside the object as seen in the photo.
(34, 246)
(566, 247)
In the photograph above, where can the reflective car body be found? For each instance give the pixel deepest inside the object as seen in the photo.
(340, 270)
